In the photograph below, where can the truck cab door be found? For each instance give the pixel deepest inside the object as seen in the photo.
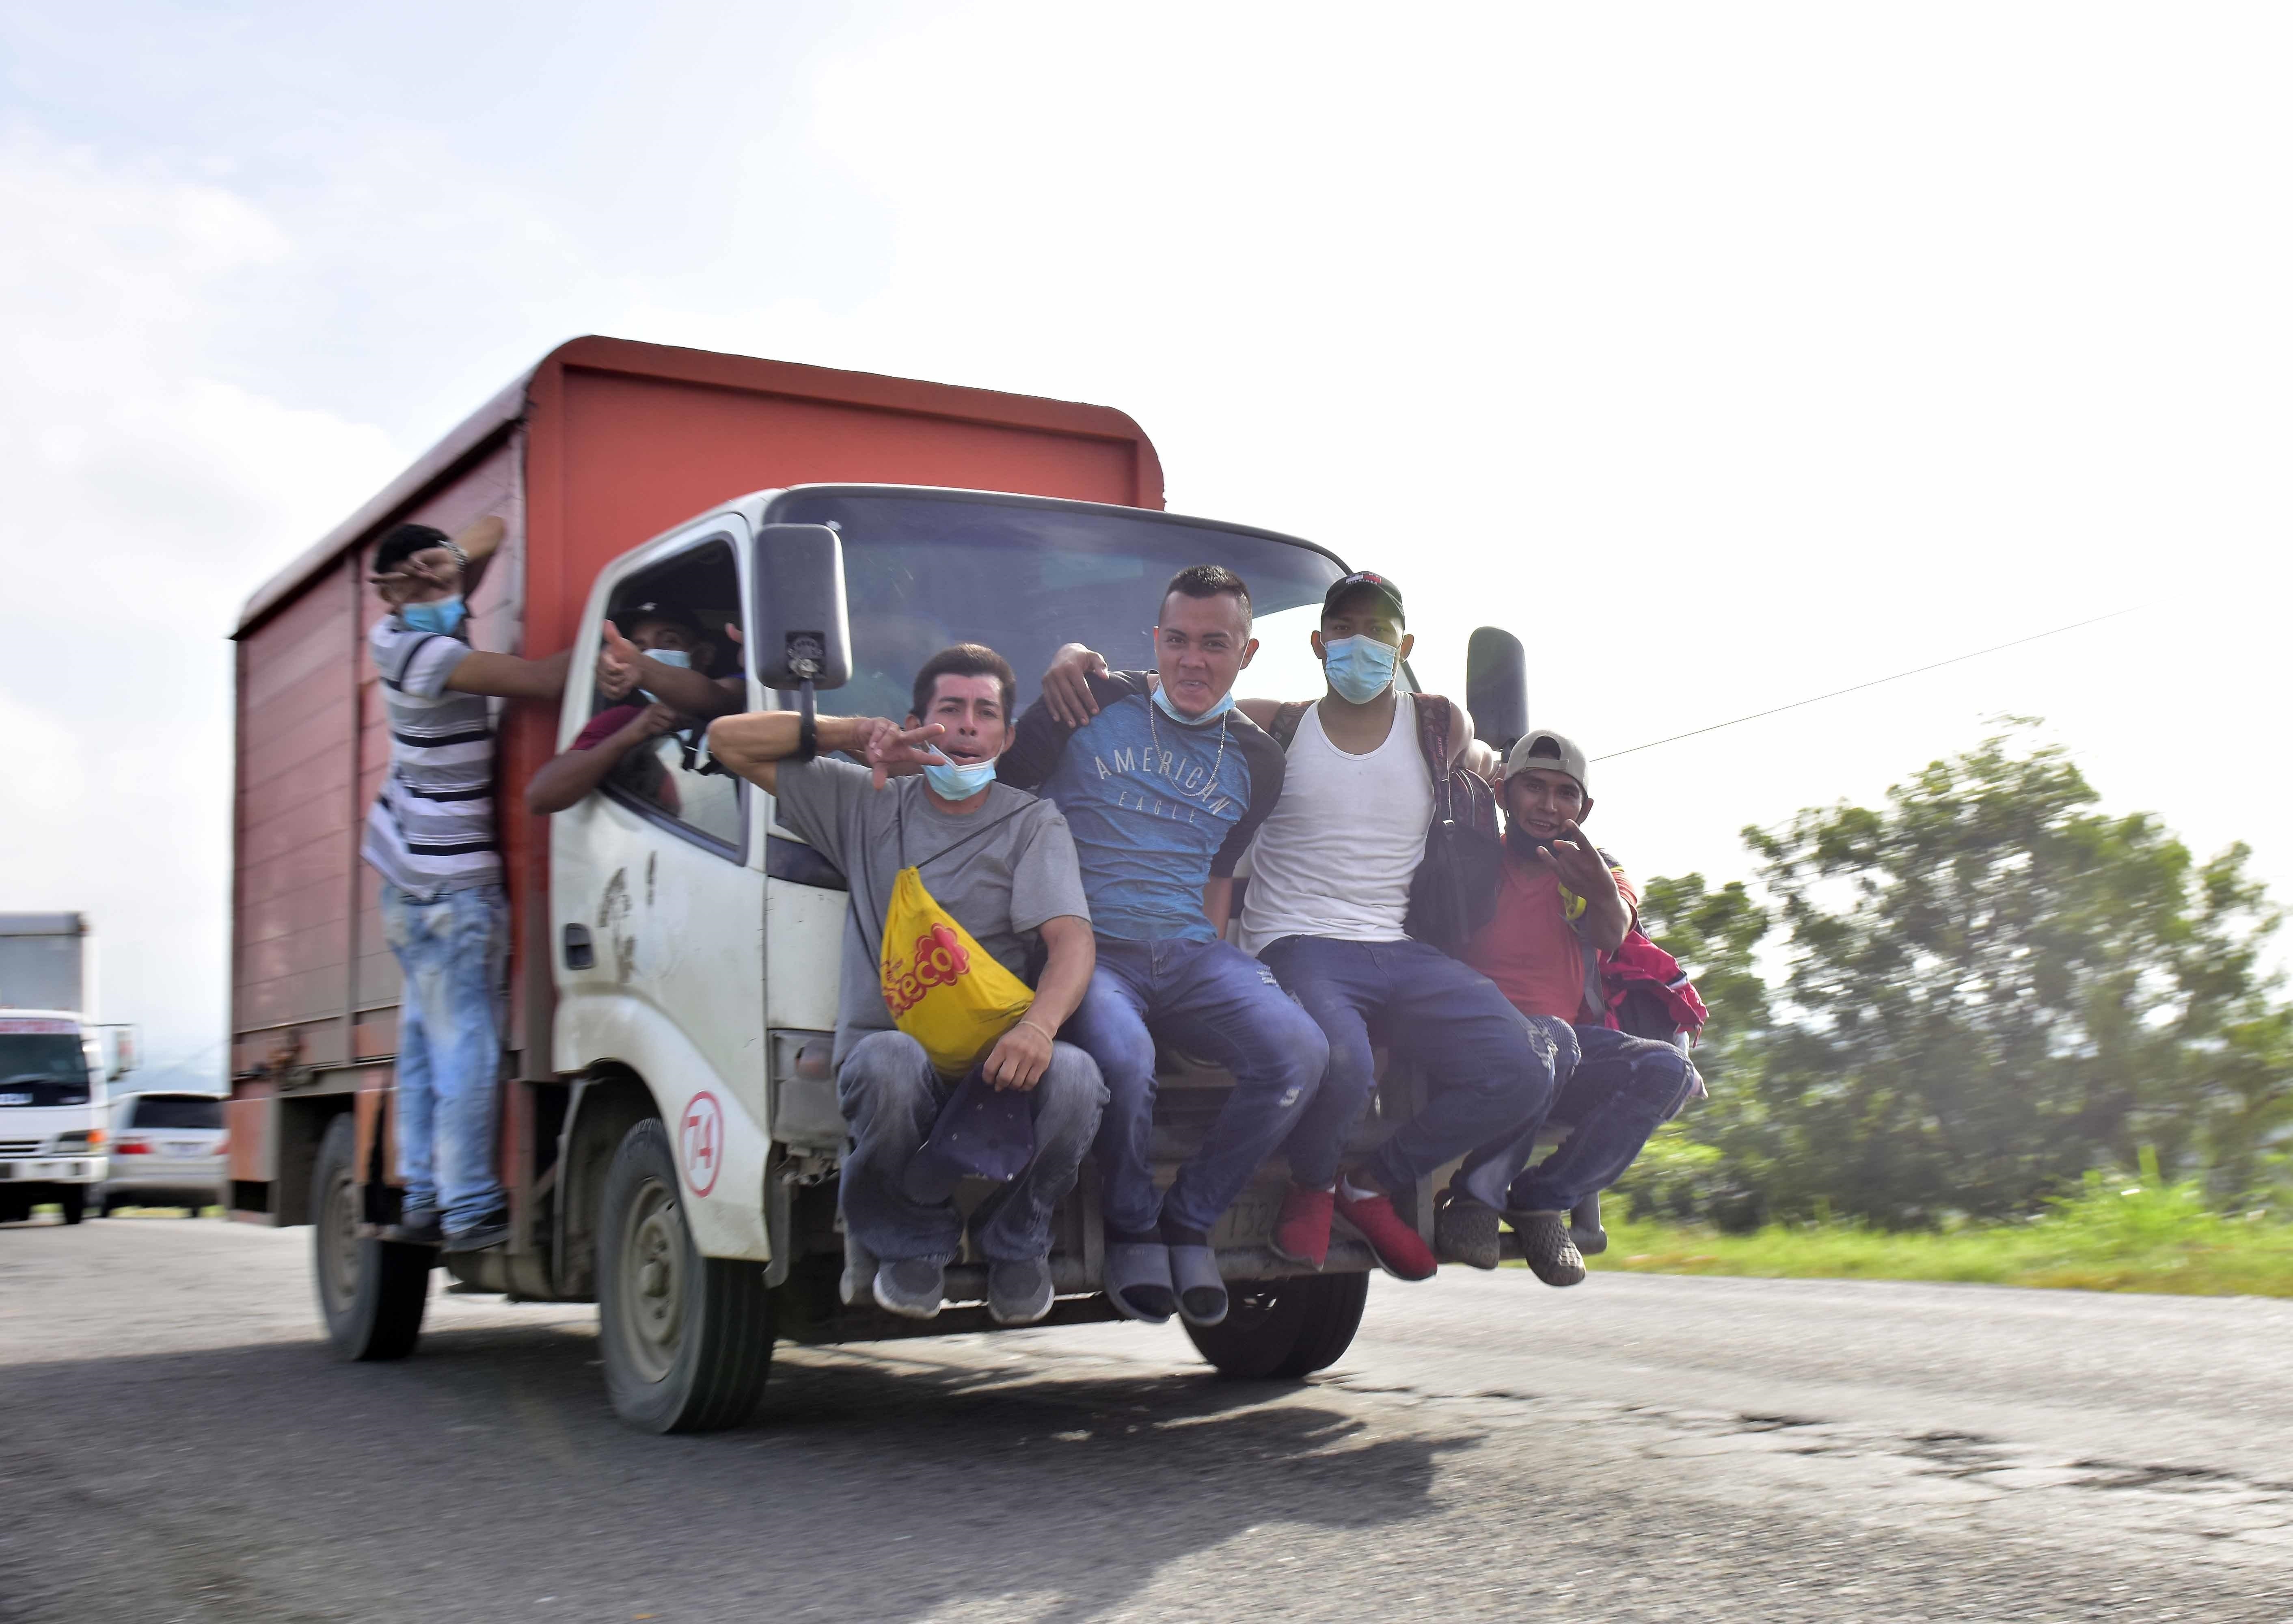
(656, 901)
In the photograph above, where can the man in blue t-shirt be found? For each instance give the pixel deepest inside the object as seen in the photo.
(1162, 782)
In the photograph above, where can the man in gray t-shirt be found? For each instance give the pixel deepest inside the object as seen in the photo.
(1002, 864)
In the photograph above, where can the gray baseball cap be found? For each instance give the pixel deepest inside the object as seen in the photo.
(1560, 754)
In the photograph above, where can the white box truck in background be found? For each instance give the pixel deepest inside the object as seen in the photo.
(56, 1063)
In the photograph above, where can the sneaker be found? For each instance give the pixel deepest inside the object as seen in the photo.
(1545, 1246)
(1020, 1292)
(1400, 1250)
(1464, 1230)
(913, 1288)
(1302, 1234)
(416, 1226)
(490, 1231)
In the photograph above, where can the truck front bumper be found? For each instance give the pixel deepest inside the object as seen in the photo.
(54, 1170)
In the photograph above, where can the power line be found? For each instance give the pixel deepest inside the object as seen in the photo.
(1858, 687)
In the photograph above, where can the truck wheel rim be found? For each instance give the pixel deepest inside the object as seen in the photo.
(339, 1253)
(652, 1280)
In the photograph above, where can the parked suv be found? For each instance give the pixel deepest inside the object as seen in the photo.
(166, 1151)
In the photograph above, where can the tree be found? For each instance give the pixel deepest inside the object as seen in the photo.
(1992, 987)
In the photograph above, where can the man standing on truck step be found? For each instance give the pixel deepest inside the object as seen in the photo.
(1562, 902)
(1001, 862)
(431, 837)
(1164, 782)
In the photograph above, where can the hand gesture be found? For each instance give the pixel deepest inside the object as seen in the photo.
(893, 751)
(1577, 862)
(657, 719)
(431, 567)
(1019, 1058)
(617, 664)
(1066, 685)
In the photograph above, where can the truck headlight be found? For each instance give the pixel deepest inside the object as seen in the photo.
(79, 1141)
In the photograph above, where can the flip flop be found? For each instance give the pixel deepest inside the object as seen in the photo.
(1201, 1290)
(1137, 1276)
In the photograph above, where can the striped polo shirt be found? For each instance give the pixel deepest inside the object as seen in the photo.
(432, 828)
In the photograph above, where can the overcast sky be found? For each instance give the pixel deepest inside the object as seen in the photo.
(1728, 354)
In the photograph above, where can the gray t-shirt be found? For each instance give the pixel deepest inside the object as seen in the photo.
(1002, 870)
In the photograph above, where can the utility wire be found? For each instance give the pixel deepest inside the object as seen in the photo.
(1858, 687)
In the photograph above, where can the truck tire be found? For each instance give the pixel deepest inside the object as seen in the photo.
(686, 1340)
(14, 1208)
(371, 1293)
(71, 1201)
(1284, 1329)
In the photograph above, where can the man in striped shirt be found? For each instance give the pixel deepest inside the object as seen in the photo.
(431, 837)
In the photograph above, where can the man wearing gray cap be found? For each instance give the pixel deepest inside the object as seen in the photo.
(1562, 902)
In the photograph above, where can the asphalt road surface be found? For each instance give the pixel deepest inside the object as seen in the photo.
(176, 1444)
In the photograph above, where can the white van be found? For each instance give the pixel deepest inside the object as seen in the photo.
(167, 1149)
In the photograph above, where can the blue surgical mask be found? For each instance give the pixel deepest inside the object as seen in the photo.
(1359, 669)
(445, 615)
(959, 780)
(1162, 700)
(675, 657)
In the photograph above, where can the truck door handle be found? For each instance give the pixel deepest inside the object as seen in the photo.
(579, 954)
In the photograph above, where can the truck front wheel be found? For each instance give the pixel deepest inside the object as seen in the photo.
(371, 1293)
(1284, 1329)
(71, 1201)
(686, 1339)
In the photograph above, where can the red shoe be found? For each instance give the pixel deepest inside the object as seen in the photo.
(1302, 1235)
(1400, 1251)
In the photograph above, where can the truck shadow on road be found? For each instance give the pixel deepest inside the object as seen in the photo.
(1002, 1477)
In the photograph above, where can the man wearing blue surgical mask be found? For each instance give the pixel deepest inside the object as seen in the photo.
(1326, 910)
(664, 648)
(1164, 783)
(431, 837)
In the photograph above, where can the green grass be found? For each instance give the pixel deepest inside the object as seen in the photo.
(2135, 1235)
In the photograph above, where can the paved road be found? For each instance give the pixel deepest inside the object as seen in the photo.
(177, 1445)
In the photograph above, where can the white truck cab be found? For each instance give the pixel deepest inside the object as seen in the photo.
(53, 1073)
(685, 1158)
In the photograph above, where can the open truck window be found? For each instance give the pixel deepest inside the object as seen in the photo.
(665, 777)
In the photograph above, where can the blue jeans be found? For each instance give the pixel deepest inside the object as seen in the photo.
(892, 1096)
(1488, 1076)
(1615, 1091)
(452, 953)
(1214, 1001)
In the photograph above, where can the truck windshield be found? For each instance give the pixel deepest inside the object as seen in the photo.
(922, 573)
(42, 1069)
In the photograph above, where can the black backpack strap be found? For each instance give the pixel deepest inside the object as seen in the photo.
(1433, 744)
(1284, 728)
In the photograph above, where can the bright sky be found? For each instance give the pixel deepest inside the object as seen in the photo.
(1729, 354)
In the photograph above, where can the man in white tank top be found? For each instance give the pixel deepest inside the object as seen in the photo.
(1328, 893)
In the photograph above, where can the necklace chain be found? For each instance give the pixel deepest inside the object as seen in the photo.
(1155, 739)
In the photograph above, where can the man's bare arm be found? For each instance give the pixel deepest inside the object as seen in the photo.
(511, 676)
(755, 744)
(1022, 1054)
(570, 774)
(1217, 901)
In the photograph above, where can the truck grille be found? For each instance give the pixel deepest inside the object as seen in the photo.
(20, 1147)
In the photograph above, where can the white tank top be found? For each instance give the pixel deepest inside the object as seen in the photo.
(1335, 856)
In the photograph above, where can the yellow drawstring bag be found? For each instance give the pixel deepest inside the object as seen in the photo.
(943, 988)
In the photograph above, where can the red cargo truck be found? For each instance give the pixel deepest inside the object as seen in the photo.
(673, 975)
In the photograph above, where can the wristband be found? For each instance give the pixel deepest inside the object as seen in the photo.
(1047, 1037)
(461, 558)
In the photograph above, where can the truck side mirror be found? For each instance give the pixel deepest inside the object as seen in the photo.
(1496, 686)
(122, 1048)
(801, 636)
